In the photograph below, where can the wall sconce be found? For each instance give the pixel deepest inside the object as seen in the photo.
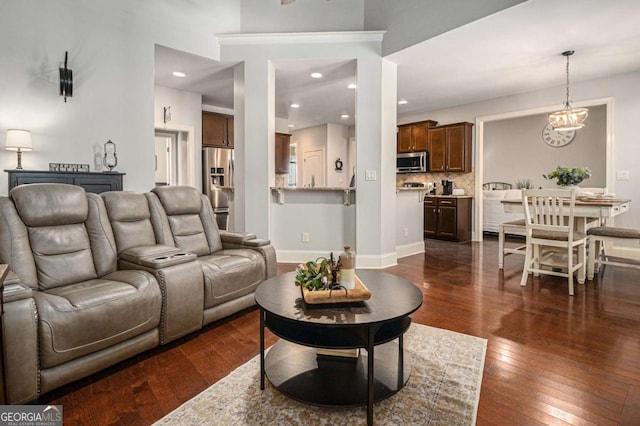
(18, 140)
(167, 114)
(110, 159)
(66, 79)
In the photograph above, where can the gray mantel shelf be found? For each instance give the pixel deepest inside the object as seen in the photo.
(280, 191)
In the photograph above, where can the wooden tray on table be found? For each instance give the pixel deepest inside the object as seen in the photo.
(357, 294)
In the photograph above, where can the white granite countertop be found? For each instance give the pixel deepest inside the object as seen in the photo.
(304, 188)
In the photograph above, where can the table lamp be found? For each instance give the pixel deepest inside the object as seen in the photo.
(18, 140)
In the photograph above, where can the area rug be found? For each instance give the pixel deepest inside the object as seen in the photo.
(444, 389)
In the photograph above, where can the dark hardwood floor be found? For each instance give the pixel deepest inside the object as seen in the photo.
(551, 358)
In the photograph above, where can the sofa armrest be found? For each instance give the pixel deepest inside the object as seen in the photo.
(157, 256)
(14, 289)
(244, 239)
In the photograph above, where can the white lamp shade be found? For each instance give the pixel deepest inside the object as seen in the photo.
(568, 119)
(18, 140)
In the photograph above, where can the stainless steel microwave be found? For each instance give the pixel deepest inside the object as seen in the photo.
(412, 162)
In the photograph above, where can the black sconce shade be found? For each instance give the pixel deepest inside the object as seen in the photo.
(66, 80)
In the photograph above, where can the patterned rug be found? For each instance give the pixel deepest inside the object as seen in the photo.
(443, 389)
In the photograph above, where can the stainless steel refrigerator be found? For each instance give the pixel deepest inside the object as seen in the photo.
(217, 169)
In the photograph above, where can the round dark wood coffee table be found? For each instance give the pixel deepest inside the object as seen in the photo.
(377, 325)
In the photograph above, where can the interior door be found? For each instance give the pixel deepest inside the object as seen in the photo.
(163, 144)
(313, 168)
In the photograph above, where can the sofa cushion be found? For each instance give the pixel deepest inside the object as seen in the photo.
(50, 204)
(178, 200)
(79, 319)
(130, 219)
(229, 274)
(189, 217)
(188, 233)
(62, 255)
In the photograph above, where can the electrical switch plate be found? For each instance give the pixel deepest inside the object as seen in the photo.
(305, 237)
(370, 175)
(622, 175)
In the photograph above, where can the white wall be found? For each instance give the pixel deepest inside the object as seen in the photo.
(375, 109)
(624, 89)
(111, 52)
(508, 143)
(260, 16)
(411, 21)
(333, 138)
(186, 112)
(309, 139)
(338, 147)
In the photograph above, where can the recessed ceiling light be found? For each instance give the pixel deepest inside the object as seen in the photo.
(316, 75)
(179, 74)
(344, 116)
(351, 86)
(295, 106)
(291, 126)
(402, 102)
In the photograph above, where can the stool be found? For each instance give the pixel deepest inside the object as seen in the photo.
(515, 225)
(603, 234)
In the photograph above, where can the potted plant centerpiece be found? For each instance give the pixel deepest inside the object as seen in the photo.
(319, 283)
(569, 176)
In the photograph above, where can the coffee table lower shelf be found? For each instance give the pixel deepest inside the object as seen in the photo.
(300, 374)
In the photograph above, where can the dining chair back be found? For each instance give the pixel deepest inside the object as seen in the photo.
(549, 223)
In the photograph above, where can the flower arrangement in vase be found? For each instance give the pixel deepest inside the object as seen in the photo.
(320, 274)
(569, 176)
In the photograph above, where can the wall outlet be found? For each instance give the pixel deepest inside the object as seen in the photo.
(405, 232)
(622, 175)
(305, 237)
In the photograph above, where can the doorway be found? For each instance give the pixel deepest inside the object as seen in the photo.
(313, 168)
(166, 153)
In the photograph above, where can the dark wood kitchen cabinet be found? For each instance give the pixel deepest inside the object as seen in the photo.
(447, 218)
(217, 130)
(283, 141)
(412, 137)
(450, 148)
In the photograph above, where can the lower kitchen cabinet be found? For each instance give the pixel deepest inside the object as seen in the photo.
(447, 218)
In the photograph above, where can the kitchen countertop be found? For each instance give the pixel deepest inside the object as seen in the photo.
(448, 196)
(307, 188)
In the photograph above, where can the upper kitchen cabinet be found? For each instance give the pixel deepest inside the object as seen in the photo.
(450, 148)
(412, 137)
(282, 153)
(217, 130)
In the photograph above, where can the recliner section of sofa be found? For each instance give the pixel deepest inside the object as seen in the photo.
(85, 307)
(177, 272)
(231, 271)
(96, 279)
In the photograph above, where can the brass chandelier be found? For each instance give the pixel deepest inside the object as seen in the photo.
(568, 118)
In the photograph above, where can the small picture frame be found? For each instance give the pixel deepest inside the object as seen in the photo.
(68, 167)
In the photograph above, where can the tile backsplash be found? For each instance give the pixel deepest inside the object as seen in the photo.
(464, 181)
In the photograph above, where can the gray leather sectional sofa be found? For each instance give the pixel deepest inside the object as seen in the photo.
(96, 279)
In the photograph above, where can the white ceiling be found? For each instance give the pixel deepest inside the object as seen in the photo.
(513, 51)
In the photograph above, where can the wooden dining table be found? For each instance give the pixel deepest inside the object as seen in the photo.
(586, 211)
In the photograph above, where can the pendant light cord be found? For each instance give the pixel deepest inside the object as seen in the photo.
(567, 102)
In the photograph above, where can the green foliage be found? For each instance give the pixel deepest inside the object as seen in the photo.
(524, 184)
(313, 275)
(569, 175)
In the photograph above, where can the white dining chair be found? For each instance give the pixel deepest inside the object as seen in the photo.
(549, 222)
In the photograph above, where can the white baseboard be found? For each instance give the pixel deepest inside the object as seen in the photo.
(362, 261)
(409, 249)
